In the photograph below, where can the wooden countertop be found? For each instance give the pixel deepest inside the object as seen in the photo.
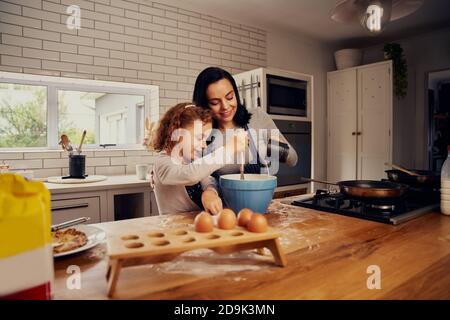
(328, 256)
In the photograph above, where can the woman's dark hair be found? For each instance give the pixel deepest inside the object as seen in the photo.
(211, 75)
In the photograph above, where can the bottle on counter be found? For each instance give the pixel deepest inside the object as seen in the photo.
(445, 185)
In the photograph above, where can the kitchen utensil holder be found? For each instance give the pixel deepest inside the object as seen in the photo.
(77, 166)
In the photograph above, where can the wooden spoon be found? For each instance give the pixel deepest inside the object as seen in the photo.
(81, 142)
(402, 169)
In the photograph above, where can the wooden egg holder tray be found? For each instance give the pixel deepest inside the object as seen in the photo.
(138, 248)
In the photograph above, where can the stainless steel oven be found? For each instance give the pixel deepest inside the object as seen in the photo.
(298, 134)
(286, 96)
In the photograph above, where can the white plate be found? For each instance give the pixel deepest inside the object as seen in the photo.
(94, 235)
(88, 179)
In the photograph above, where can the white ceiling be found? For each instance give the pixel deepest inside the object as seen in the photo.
(312, 18)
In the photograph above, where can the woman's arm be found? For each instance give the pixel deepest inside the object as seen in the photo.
(263, 120)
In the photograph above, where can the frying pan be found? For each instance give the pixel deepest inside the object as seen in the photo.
(369, 189)
(423, 179)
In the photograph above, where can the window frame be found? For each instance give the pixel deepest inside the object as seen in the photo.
(54, 84)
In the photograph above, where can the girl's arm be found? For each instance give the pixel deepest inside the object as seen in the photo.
(171, 173)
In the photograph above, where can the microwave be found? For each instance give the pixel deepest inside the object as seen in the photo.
(286, 96)
(283, 94)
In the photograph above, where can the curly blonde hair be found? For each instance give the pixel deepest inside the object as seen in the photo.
(179, 116)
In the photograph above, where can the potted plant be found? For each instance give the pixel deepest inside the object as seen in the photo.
(394, 52)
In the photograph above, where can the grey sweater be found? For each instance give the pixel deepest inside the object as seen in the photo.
(259, 120)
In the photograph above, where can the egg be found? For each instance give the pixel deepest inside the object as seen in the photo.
(257, 223)
(227, 219)
(204, 222)
(244, 217)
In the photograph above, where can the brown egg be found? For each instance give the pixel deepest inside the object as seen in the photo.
(244, 217)
(204, 222)
(227, 219)
(257, 223)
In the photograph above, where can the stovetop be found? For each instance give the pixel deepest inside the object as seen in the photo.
(393, 212)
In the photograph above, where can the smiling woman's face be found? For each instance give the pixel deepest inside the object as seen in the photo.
(222, 102)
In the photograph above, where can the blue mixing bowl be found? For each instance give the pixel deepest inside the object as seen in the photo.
(255, 192)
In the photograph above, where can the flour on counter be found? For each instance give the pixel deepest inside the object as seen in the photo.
(206, 262)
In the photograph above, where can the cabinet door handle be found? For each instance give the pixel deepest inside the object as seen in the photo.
(359, 133)
(75, 206)
(353, 133)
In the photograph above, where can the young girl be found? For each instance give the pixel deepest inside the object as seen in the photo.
(182, 183)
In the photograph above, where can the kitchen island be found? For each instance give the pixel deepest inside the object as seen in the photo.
(329, 256)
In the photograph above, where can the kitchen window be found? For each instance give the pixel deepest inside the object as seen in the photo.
(36, 110)
(23, 115)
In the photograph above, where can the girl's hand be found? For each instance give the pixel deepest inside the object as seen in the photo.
(211, 201)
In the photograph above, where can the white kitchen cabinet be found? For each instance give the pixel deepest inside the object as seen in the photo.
(359, 122)
(64, 210)
(117, 198)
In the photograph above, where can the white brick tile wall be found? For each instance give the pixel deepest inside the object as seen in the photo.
(21, 62)
(114, 170)
(93, 162)
(69, 57)
(21, 41)
(57, 27)
(40, 14)
(55, 163)
(93, 51)
(10, 29)
(60, 66)
(10, 50)
(11, 156)
(117, 161)
(20, 20)
(93, 33)
(41, 54)
(137, 41)
(109, 10)
(51, 73)
(45, 173)
(10, 8)
(28, 3)
(25, 164)
(61, 47)
(42, 155)
(41, 34)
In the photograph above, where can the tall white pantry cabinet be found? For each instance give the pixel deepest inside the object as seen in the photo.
(359, 122)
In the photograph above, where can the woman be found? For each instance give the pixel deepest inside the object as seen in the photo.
(215, 89)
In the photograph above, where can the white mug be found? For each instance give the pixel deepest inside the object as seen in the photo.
(141, 171)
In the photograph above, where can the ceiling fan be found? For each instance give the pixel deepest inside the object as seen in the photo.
(374, 14)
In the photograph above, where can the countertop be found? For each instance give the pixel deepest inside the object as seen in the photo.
(112, 182)
(328, 257)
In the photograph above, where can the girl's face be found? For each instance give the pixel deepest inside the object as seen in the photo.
(194, 139)
(222, 102)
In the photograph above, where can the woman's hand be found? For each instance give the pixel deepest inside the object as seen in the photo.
(211, 201)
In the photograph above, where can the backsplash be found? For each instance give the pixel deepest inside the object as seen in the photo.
(56, 162)
(133, 41)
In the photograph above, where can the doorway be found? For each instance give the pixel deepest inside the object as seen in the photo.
(438, 98)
